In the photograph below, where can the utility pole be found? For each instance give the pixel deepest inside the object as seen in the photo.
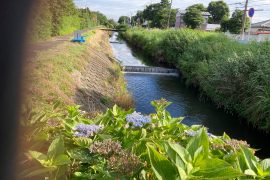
(244, 20)
(170, 12)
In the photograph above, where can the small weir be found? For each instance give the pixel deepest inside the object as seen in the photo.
(148, 69)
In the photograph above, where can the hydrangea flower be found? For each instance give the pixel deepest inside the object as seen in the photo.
(85, 130)
(137, 119)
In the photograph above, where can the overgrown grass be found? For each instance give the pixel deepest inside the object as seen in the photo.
(51, 75)
(235, 76)
(54, 76)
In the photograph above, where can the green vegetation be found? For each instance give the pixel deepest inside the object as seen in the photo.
(235, 76)
(46, 84)
(46, 75)
(193, 17)
(124, 20)
(156, 15)
(61, 17)
(219, 10)
(234, 24)
(123, 144)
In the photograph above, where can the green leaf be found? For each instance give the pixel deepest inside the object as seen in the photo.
(79, 154)
(104, 136)
(180, 151)
(83, 142)
(250, 172)
(265, 164)
(249, 159)
(198, 155)
(40, 157)
(161, 166)
(226, 137)
(61, 160)
(115, 110)
(143, 133)
(216, 169)
(40, 172)
(182, 173)
(56, 148)
(200, 140)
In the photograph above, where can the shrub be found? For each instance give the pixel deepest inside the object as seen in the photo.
(155, 147)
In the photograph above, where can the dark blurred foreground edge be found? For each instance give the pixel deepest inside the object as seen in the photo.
(13, 21)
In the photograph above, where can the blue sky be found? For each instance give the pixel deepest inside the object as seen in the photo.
(115, 8)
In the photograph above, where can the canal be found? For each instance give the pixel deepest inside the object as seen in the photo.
(148, 87)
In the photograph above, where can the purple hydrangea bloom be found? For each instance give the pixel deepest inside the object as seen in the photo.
(137, 119)
(85, 130)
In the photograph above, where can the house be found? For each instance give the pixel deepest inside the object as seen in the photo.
(262, 27)
(179, 23)
(205, 26)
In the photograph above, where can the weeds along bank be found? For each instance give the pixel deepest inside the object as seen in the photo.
(235, 76)
(69, 74)
(72, 73)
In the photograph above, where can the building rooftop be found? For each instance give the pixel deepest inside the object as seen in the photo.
(261, 24)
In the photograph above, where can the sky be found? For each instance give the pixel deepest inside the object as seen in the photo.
(116, 8)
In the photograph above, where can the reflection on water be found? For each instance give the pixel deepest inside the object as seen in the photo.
(124, 52)
(148, 87)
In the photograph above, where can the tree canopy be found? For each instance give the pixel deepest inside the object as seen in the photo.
(124, 20)
(199, 7)
(59, 17)
(234, 24)
(219, 10)
(193, 16)
(157, 15)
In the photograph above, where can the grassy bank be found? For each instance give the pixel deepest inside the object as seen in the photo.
(70, 74)
(235, 76)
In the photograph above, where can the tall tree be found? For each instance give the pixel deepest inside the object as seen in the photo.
(199, 7)
(60, 9)
(124, 20)
(165, 3)
(41, 27)
(219, 10)
(234, 24)
(193, 16)
(138, 18)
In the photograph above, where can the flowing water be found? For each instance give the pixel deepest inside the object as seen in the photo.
(148, 87)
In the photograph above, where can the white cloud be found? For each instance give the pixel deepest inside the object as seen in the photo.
(115, 8)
